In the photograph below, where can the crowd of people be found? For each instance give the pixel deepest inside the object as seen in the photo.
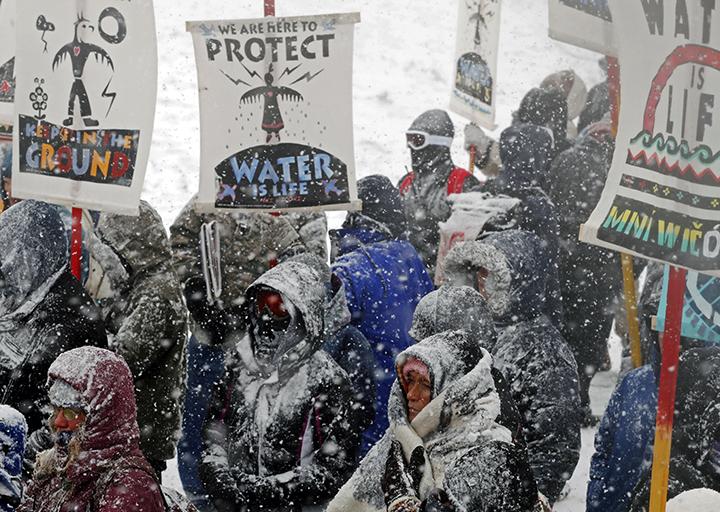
(385, 374)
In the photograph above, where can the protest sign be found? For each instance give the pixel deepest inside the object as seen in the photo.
(583, 23)
(7, 60)
(474, 94)
(85, 102)
(662, 196)
(701, 309)
(276, 113)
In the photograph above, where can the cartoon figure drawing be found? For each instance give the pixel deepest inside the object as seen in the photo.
(272, 117)
(79, 50)
(481, 18)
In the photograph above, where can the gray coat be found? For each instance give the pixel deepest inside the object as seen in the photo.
(132, 279)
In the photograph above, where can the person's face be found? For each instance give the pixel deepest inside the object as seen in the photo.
(481, 277)
(67, 420)
(418, 392)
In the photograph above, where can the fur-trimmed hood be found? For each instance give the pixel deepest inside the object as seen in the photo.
(518, 266)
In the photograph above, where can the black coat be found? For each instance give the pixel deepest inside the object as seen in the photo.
(44, 311)
(530, 352)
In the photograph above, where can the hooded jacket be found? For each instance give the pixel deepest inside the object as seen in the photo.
(249, 244)
(108, 473)
(461, 417)
(425, 199)
(384, 279)
(13, 437)
(134, 283)
(547, 108)
(695, 453)
(530, 352)
(527, 151)
(280, 439)
(44, 310)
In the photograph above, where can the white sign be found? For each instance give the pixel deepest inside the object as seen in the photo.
(584, 23)
(85, 102)
(474, 93)
(7, 61)
(276, 112)
(662, 196)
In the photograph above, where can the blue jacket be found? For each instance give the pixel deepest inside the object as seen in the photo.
(623, 443)
(384, 281)
(13, 437)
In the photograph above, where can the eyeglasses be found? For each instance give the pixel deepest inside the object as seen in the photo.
(270, 302)
(419, 140)
(68, 414)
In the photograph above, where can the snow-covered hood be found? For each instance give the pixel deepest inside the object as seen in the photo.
(35, 254)
(518, 267)
(453, 308)
(105, 384)
(462, 413)
(526, 152)
(303, 281)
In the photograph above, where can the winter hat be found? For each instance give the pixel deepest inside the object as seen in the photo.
(434, 122)
(572, 87)
(381, 204)
(546, 108)
(62, 394)
(13, 437)
(412, 364)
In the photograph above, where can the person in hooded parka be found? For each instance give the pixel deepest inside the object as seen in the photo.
(13, 438)
(279, 434)
(239, 248)
(695, 453)
(510, 269)
(44, 310)
(453, 308)
(96, 464)
(433, 177)
(546, 107)
(526, 152)
(383, 278)
(132, 279)
(624, 440)
(590, 277)
(443, 411)
(597, 106)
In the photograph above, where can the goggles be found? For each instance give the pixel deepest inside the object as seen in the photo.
(68, 414)
(270, 303)
(420, 140)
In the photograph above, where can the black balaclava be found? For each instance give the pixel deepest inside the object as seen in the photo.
(432, 122)
(547, 108)
(274, 336)
(382, 208)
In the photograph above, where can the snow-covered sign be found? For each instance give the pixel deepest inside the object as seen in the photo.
(85, 101)
(7, 60)
(701, 310)
(474, 90)
(584, 23)
(662, 196)
(276, 112)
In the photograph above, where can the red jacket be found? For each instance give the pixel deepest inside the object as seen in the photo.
(110, 473)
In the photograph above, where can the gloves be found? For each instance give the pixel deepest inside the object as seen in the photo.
(400, 482)
(475, 136)
(39, 441)
(210, 317)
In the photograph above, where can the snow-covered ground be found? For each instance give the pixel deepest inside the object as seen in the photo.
(403, 66)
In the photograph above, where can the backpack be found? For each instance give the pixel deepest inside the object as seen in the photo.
(455, 183)
(173, 500)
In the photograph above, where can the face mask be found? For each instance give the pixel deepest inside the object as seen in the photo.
(277, 327)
